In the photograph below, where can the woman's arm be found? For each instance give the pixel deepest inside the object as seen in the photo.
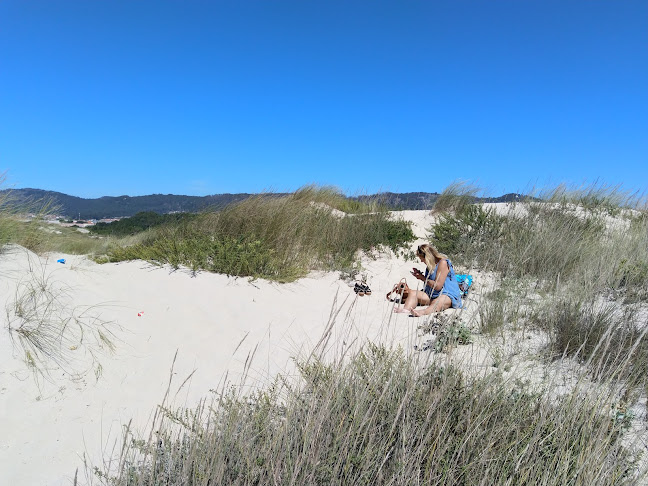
(424, 277)
(442, 273)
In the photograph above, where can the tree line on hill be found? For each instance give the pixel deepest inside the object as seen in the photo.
(126, 206)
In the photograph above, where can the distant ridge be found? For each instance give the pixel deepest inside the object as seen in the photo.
(123, 206)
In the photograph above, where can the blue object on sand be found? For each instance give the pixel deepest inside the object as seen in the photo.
(60, 260)
(464, 281)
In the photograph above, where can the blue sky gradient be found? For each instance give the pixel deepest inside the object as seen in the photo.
(202, 97)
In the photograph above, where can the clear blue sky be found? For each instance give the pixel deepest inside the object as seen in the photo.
(112, 97)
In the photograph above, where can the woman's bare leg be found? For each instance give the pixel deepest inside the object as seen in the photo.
(413, 299)
(441, 303)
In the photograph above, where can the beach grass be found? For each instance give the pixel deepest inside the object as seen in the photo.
(579, 272)
(552, 243)
(51, 333)
(383, 418)
(277, 238)
(24, 224)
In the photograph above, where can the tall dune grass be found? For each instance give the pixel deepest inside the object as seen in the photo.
(456, 197)
(382, 418)
(595, 197)
(271, 237)
(552, 243)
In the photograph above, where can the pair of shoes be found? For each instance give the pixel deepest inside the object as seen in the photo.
(362, 289)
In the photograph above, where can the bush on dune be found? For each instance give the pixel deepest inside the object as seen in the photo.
(280, 238)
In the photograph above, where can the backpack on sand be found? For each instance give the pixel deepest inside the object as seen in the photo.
(464, 281)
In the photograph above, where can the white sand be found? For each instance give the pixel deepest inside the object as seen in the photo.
(48, 425)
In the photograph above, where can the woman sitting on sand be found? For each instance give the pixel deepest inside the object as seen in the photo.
(440, 291)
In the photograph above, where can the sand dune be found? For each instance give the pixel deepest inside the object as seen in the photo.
(213, 322)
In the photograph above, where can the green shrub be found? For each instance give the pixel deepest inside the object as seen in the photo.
(271, 237)
(468, 233)
(138, 223)
(452, 335)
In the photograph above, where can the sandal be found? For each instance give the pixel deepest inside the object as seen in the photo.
(366, 288)
(359, 289)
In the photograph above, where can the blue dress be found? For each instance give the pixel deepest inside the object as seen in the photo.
(450, 286)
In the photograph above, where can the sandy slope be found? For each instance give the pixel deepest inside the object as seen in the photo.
(48, 424)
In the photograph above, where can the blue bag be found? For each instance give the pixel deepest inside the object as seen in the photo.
(464, 281)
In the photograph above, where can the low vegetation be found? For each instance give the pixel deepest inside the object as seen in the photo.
(552, 243)
(382, 418)
(568, 269)
(140, 222)
(275, 238)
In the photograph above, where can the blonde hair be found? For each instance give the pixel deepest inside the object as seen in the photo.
(430, 254)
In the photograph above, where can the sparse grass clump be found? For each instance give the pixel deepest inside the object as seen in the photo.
(456, 197)
(382, 418)
(270, 237)
(51, 332)
(610, 339)
(497, 308)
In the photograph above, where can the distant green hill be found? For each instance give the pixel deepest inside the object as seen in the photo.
(139, 222)
(121, 206)
(126, 206)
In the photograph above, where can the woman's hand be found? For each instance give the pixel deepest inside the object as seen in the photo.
(417, 273)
